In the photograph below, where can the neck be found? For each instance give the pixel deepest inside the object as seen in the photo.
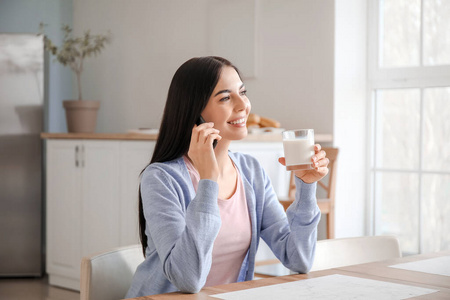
(221, 152)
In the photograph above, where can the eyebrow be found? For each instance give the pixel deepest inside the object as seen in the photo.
(227, 91)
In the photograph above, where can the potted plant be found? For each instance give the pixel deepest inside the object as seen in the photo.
(81, 115)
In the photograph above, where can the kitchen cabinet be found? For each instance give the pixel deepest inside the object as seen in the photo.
(92, 195)
(91, 201)
(134, 157)
(63, 206)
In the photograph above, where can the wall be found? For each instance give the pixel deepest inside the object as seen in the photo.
(294, 81)
(350, 97)
(310, 57)
(24, 16)
(310, 71)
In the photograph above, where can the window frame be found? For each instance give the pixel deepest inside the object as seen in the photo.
(420, 77)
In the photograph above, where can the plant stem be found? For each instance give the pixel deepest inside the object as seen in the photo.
(79, 85)
(80, 69)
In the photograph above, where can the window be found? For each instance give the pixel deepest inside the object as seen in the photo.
(409, 82)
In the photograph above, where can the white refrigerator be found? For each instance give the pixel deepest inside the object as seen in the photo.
(21, 122)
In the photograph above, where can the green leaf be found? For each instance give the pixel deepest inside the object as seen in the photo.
(74, 50)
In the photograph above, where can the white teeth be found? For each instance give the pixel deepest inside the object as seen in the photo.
(240, 121)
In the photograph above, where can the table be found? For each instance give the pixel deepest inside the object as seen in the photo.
(382, 269)
(379, 271)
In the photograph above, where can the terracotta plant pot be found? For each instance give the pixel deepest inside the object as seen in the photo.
(81, 115)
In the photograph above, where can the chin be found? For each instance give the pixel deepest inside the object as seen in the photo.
(233, 133)
(241, 135)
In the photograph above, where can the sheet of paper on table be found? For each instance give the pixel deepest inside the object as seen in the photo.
(329, 287)
(438, 265)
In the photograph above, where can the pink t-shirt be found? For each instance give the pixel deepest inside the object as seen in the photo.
(233, 240)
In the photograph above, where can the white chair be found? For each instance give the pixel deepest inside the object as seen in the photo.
(107, 276)
(335, 253)
(341, 252)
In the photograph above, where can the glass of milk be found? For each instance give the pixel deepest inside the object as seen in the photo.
(298, 148)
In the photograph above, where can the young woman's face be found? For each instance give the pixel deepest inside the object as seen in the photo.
(228, 107)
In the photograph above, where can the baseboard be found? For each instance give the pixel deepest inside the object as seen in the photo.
(64, 282)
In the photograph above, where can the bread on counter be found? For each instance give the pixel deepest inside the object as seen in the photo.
(255, 120)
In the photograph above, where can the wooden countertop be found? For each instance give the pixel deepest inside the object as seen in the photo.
(263, 137)
(99, 136)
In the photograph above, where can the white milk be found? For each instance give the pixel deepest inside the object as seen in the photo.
(298, 152)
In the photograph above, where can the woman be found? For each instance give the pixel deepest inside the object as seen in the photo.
(203, 208)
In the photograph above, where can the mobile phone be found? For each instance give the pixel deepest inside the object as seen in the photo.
(200, 120)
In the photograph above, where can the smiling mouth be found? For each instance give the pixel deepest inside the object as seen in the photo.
(240, 121)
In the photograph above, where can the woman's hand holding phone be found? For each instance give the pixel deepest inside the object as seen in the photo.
(201, 150)
(201, 121)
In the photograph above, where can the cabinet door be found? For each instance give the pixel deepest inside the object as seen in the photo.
(100, 201)
(134, 157)
(63, 208)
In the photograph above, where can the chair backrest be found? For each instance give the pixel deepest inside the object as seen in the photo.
(335, 253)
(330, 187)
(108, 275)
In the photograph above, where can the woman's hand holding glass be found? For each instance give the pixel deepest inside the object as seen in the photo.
(319, 166)
(201, 151)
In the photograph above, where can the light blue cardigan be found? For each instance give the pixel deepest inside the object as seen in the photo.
(182, 226)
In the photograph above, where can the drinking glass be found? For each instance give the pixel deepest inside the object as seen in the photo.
(298, 148)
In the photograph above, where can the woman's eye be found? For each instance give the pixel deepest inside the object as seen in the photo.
(225, 98)
(244, 92)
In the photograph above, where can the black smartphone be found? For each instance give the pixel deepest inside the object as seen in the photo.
(201, 121)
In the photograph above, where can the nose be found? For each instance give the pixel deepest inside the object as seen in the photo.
(242, 103)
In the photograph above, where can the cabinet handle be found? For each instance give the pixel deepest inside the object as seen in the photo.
(76, 156)
(82, 156)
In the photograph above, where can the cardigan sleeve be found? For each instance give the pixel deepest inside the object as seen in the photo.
(292, 235)
(183, 235)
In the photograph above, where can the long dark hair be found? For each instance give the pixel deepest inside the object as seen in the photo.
(189, 92)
